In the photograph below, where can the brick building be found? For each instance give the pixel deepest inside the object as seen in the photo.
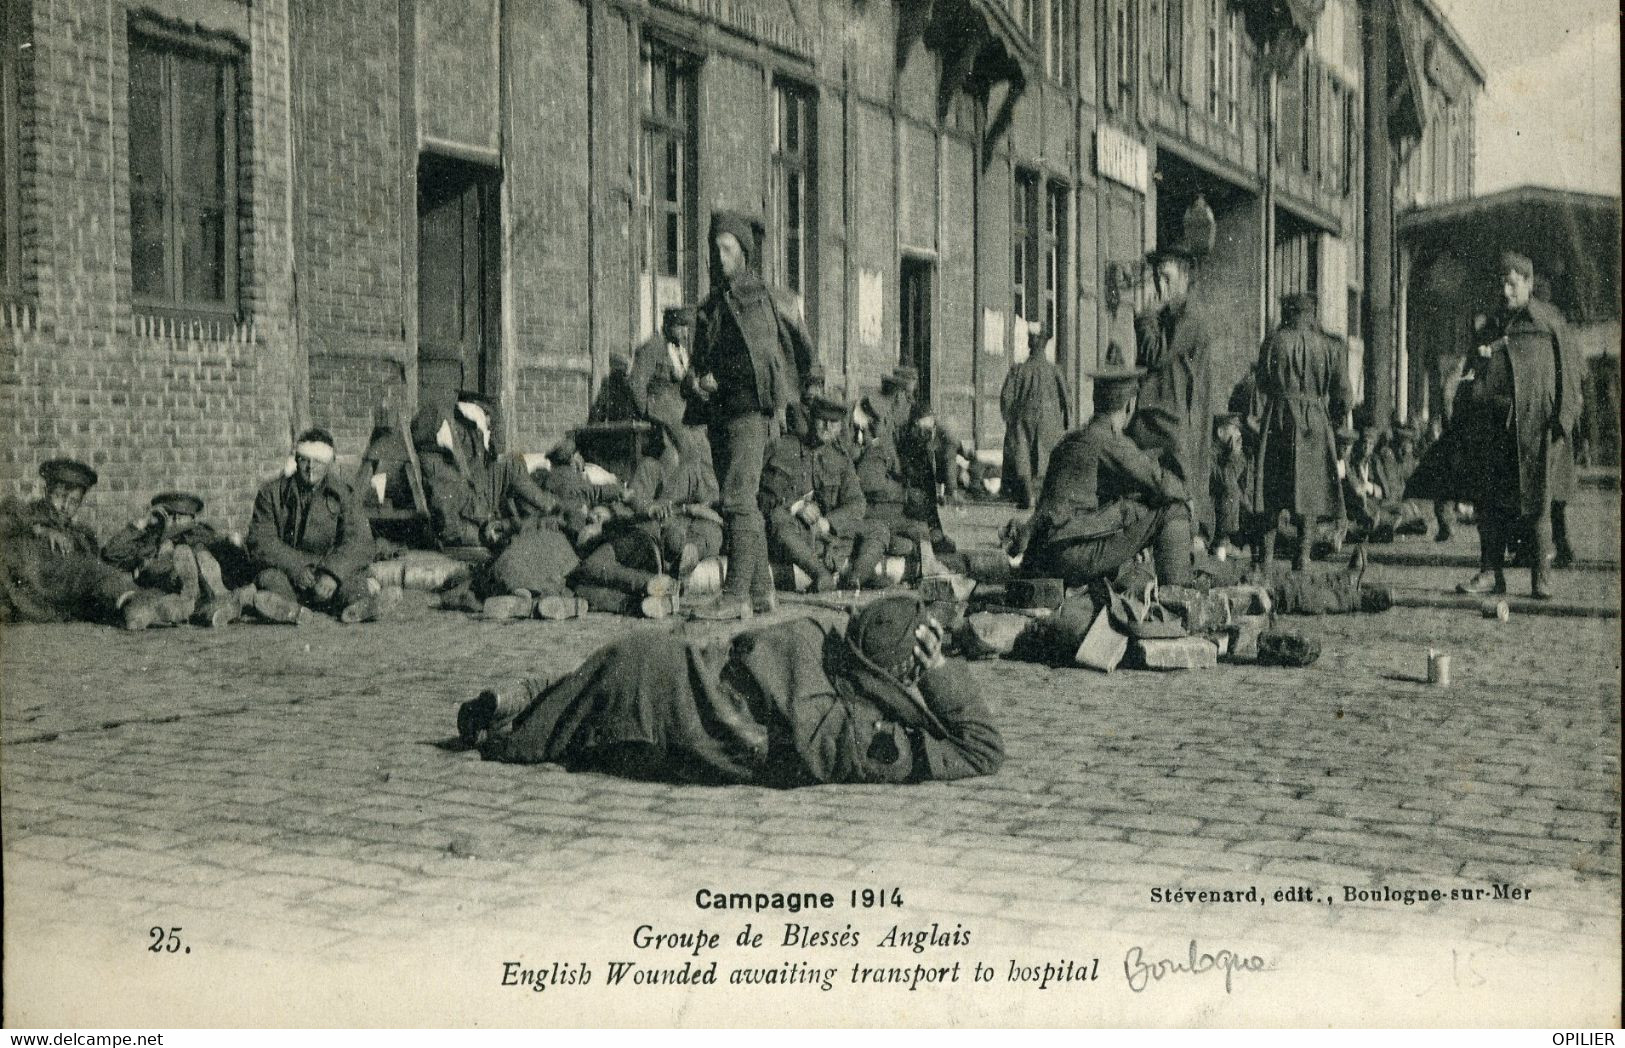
(225, 220)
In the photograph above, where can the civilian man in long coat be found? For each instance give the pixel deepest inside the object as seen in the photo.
(1174, 420)
(1525, 407)
(750, 353)
(794, 704)
(310, 539)
(1034, 404)
(1302, 386)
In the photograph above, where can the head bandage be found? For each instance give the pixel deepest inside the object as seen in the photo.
(315, 451)
(476, 415)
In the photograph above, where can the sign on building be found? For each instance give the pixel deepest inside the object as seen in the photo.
(1122, 158)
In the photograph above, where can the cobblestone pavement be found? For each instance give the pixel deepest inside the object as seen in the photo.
(287, 797)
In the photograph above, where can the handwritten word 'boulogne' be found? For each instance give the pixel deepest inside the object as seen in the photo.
(1142, 973)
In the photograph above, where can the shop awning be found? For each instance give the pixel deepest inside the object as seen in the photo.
(979, 43)
(1573, 239)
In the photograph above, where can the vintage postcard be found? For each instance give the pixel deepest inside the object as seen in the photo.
(841, 513)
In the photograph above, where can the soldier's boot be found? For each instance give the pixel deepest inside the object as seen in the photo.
(687, 559)
(866, 557)
(274, 607)
(1489, 580)
(1564, 557)
(142, 610)
(1300, 559)
(520, 604)
(559, 607)
(178, 607)
(659, 607)
(372, 608)
(801, 551)
(219, 605)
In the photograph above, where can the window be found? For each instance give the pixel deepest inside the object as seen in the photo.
(1121, 55)
(1351, 141)
(1058, 55)
(794, 160)
(1354, 313)
(668, 268)
(1173, 45)
(1232, 68)
(183, 176)
(1023, 243)
(12, 36)
(1054, 250)
(1215, 57)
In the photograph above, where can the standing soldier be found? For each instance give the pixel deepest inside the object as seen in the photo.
(1034, 403)
(1174, 421)
(1229, 477)
(750, 353)
(1525, 406)
(1302, 386)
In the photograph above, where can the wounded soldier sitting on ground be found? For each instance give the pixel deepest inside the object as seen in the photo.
(815, 507)
(311, 543)
(51, 569)
(172, 550)
(794, 704)
(487, 511)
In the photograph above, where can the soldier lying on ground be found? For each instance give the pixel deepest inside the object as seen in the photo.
(793, 704)
(51, 568)
(310, 541)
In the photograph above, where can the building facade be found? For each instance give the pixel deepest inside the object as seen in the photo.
(227, 220)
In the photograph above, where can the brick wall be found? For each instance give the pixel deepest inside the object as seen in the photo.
(151, 406)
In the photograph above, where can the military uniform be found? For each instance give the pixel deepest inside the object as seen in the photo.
(1176, 400)
(42, 585)
(1035, 406)
(800, 473)
(298, 534)
(1102, 502)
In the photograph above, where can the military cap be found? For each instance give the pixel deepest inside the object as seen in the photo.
(178, 502)
(677, 316)
(1117, 376)
(1514, 262)
(563, 451)
(743, 227)
(1297, 304)
(1176, 251)
(883, 632)
(1225, 418)
(825, 409)
(620, 362)
(70, 472)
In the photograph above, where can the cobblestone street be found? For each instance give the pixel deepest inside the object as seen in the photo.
(288, 798)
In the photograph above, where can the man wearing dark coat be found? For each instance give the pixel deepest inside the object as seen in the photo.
(310, 539)
(794, 704)
(1522, 413)
(750, 353)
(815, 508)
(659, 367)
(1227, 481)
(1104, 500)
(1176, 397)
(172, 550)
(51, 569)
(1035, 406)
(617, 400)
(1300, 393)
(487, 510)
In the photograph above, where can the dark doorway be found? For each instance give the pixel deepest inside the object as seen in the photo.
(459, 270)
(916, 319)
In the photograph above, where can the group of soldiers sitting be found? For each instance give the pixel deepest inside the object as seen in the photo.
(843, 489)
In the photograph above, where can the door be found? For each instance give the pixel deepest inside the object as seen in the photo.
(458, 285)
(915, 349)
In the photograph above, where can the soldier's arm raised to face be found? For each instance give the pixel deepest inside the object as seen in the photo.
(1130, 463)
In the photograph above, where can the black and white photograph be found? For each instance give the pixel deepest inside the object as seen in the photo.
(810, 513)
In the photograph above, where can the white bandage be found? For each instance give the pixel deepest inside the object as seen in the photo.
(476, 414)
(315, 451)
